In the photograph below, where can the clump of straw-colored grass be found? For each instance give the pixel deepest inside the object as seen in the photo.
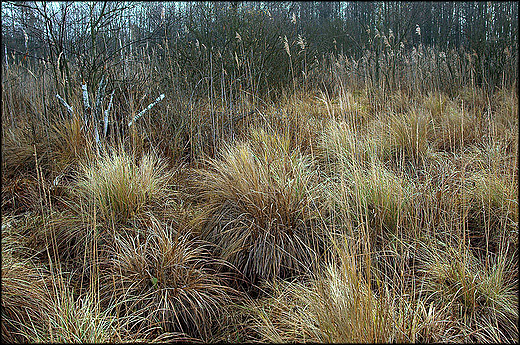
(263, 202)
(482, 296)
(168, 279)
(122, 187)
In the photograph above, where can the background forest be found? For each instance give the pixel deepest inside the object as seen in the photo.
(259, 171)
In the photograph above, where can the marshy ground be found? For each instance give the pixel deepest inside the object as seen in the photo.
(344, 208)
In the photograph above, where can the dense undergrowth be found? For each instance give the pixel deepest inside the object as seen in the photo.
(351, 214)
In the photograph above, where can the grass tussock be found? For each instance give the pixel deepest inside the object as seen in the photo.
(121, 187)
(263, 203)
(458, 129)
(71, 144)
(23, 149)
(372, 200)
(493, 208)
(168, 279)
(19, 194)
(341, 146)
(340, 305)
(407, 135)
(478, 294)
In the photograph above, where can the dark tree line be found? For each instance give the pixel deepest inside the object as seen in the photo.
(96, 36)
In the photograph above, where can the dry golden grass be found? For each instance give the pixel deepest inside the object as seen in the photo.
(406, 134)
(22, 149)
(339, 304)
(342, 146)
(168, 279)
(343, 215)
(23, 288)
(263, 202)
(120, 186)
(480, 295)
(71, 146)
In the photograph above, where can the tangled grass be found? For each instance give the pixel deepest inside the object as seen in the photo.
(263, 203)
